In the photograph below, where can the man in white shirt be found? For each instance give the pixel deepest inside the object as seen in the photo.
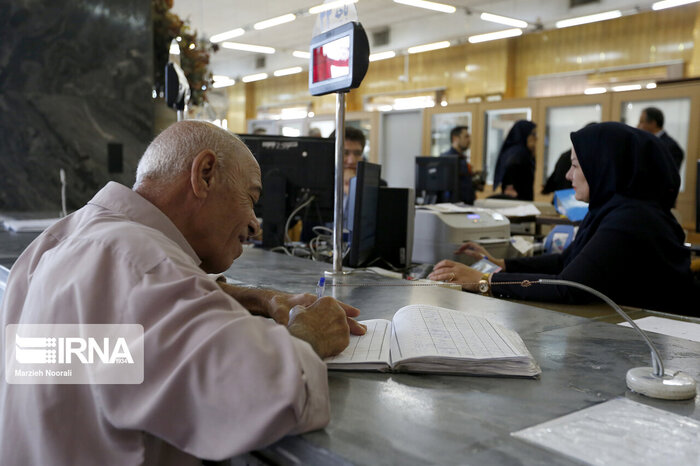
(218, 381)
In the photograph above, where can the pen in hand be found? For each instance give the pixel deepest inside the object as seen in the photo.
(320, 287)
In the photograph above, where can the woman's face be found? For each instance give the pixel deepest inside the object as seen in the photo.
(532, 141)
(578, 179)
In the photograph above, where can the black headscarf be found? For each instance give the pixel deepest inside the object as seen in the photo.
(619, 159)
(621, 163)
(515, 142)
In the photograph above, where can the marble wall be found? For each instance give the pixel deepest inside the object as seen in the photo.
(75, 76)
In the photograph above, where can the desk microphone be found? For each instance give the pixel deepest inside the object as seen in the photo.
(654, 382)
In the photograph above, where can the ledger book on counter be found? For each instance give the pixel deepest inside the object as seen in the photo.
(430, 339)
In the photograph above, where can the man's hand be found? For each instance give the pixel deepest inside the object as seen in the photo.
(282, 303)
(277, 305)
(323, 324)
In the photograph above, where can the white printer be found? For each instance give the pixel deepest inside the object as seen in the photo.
(441, 228)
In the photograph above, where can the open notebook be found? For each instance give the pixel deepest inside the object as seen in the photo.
(422, 338)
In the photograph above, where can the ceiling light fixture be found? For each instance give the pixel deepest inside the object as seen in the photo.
(254, 77)
(226, 35)
(565, 23)
(516, 23)
(329, 6)
(595, 90)
(428, 47)
(651, 86)
(495, 35)
(288, 71)
(300, 54)
(627, 87)
(222, 81)
(268, 23)
(441, 7)
(247, 47)
(382, 55)
(670, 4)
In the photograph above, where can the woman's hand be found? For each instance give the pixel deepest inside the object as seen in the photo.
(478, 252)
(450, 271)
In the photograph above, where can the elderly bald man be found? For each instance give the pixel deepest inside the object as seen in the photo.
(218, 381)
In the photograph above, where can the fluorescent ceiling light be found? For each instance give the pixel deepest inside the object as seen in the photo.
(329, 6)
(495, 35)
(382, 55)
(300, 54)
(565, 23)
(222, 81)
(441, 7)
(254, 77)
(268, 23)
(651, 86)
(670, 4)
(293, 113)
(410, 103)
(473, 100)
(428, 47)
(595, 90)
(226, 35)
(288, 71)
(516, 23)
(627, 87)
(247, 47)
(493, 98)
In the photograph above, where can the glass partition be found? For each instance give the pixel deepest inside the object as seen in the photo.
(440, 126)
(561, 121)
(676, 120)
(497, 124)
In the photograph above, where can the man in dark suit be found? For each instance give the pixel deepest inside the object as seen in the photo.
(460, 142)
(652, 120)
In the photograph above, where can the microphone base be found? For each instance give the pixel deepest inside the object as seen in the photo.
(672, 386)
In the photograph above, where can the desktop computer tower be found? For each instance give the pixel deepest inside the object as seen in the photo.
(394, 234)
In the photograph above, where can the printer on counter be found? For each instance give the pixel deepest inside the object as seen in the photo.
(441, 228)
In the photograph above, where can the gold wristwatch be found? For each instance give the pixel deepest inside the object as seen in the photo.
(484, 285)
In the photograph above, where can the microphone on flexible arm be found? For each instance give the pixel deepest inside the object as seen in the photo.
(655, 381)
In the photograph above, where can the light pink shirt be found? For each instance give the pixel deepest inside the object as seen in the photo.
(217, 380)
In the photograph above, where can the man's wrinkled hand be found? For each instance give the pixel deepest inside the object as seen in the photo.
(281, 304)
(323, 324)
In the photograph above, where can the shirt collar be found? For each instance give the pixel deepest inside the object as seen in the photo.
(119, 198)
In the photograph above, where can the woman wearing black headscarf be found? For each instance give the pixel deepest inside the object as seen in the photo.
(629, 246)
(515, 166)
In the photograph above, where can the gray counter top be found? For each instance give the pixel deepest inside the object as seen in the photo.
(429, 419)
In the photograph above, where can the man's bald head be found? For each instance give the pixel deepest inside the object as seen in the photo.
(172, 152)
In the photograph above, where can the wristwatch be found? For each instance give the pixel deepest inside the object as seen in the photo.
(484, 285)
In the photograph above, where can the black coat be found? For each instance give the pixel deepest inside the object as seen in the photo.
(673, 148)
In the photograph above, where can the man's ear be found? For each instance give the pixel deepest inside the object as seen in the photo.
(202, 173)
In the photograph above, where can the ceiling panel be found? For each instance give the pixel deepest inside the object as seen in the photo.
(408, 25)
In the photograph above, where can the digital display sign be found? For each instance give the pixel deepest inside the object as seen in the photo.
(339, 59)
(331, 60)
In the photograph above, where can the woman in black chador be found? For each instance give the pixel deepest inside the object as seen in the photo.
(515, 167)
(629, 246)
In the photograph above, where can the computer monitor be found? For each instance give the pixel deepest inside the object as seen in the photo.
(293, 169)
(437, 179)
(362, 207)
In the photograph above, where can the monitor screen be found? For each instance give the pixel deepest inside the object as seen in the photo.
(437, 179)
(363, 204)
(331, 60)
(293, 170)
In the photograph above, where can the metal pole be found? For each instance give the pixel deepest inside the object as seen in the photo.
(338, 210)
